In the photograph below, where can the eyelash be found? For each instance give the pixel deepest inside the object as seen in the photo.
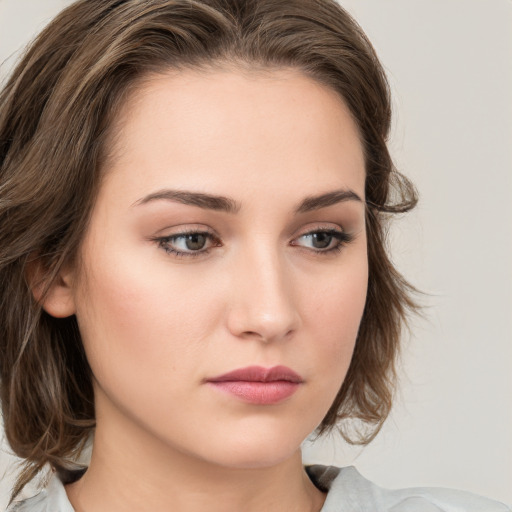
(163, 242)
(342, 238)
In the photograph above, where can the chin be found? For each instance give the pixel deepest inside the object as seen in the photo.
(257, 458)
(257, 450)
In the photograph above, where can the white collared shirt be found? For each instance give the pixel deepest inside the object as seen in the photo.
(347, 491)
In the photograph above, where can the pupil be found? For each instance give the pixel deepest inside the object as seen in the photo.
(321, 240)
(195, 241)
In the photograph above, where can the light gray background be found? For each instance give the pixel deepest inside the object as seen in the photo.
(450, 67)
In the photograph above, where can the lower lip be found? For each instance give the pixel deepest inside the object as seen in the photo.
(259, 393)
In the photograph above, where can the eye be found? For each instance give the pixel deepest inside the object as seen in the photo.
(323, 240)
(188, 244)
(191, 242)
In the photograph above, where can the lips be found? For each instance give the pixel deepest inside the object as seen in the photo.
(258, 385)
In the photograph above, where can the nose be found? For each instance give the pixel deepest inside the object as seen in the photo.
(262, 304)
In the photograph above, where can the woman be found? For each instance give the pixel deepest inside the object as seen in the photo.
(193, 204)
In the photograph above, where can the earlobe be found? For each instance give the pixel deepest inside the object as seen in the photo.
(57, 298)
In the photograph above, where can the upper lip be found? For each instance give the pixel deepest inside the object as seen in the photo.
(259, 374)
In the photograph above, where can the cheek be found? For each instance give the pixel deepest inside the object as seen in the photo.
(339, 302)
(335, 314)
(132, 312)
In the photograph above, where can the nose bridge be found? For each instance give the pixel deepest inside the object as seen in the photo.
(263, 303)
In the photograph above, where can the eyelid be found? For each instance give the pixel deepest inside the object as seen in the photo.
(333, 232)
(184, 229)
(164, 240)
(342, 238)
(321, 227)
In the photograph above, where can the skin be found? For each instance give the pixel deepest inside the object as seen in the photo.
(156, 325)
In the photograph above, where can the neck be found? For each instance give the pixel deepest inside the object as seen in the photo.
(129, 471)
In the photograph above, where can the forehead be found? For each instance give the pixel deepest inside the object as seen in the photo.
(223, 126)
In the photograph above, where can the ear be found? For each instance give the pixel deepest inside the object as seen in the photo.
(57, 297)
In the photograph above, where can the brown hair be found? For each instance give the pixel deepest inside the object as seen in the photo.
(55, 113)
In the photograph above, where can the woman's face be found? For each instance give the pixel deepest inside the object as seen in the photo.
(229, 233)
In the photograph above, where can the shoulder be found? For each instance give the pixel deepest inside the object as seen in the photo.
(52, 498)
(348, 491)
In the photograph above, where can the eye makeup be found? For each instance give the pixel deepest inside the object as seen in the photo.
(195, 243)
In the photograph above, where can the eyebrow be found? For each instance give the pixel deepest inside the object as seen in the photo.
(228, 205)
(328, 199)
(206, 201)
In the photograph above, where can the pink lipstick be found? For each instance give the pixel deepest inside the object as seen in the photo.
(258, 385)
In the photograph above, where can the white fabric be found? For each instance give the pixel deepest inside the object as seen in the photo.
(347, 491)
(52, 498)
(351, 492)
